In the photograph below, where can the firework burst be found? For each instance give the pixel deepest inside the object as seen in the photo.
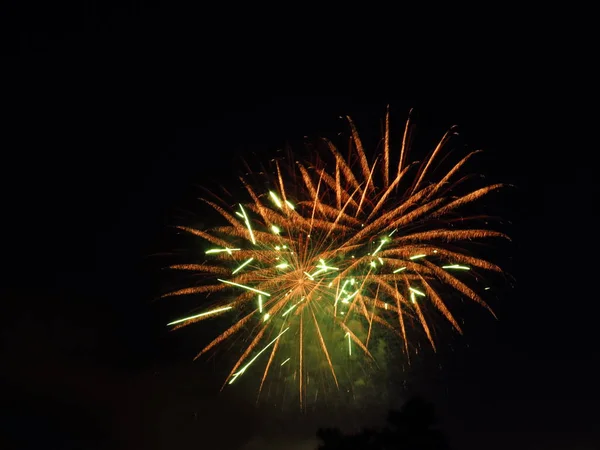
(331, 253)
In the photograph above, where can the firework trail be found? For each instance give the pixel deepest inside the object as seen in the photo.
(334, 251)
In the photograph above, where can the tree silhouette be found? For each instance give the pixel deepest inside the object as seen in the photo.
(410, 428)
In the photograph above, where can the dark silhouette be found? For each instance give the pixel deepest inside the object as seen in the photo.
(410, 428)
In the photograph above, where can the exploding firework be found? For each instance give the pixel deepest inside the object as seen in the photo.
(333, 253)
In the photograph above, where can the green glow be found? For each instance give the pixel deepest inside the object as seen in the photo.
(260, 303)
(275, 229)
(347, 299)
(317, 272)
(487, 289)
(214, 311)
(266, 317)
(282, 265)
(244, 264)
(292, 307)
(456, 266)
(416, 291)
(289, 204)
(222, 250)
(413, 298)
(285, 361)
(309, 275)
(244, 287)
(393, 232)
(349, 344)
(248, 225)
(400, 269)
(342, 291)
(322, 268)
(383, 241)
(325, 266)
(380, 261)
(275, 199)
(418, 256)
(243, 369)
(373, 264)
(288, 311)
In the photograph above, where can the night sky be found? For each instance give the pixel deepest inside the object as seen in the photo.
(117, 116)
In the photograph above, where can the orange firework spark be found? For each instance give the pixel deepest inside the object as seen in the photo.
(333, 250)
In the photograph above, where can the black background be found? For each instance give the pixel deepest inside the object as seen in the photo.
(116, 114)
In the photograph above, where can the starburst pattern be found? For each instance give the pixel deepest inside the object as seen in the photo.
(311, 266)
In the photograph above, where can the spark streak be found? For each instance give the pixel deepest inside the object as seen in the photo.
(207, 313)
(244, 287)
(244, 264)
(456, 266)
(243, 369)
